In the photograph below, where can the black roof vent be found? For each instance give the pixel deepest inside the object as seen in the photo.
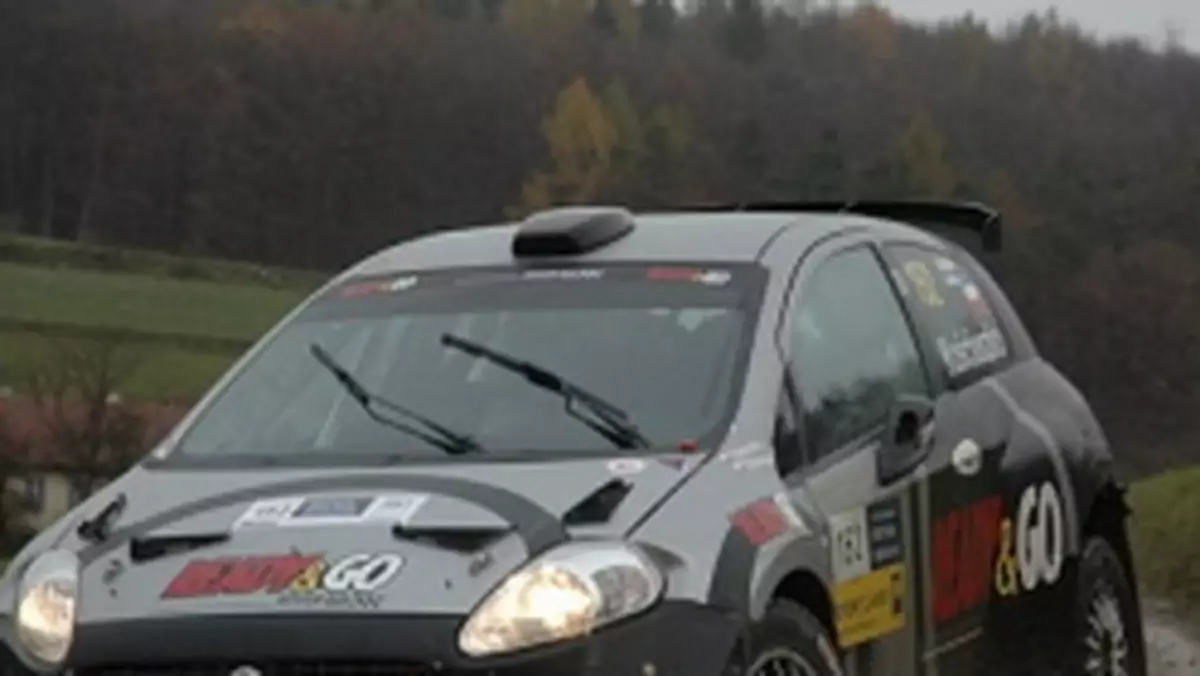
(570, 231)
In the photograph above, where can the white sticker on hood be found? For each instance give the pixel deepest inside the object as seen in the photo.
(328, 510)
(626, 466)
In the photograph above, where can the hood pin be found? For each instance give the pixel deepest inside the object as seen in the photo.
(479, 564)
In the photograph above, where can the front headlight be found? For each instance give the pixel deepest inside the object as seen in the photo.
(567, 592)
(45, 612)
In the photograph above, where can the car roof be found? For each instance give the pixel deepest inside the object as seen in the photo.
(731, 237)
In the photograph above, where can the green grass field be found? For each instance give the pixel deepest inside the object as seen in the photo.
(139, 303)
(1166, 538)
(186, 319)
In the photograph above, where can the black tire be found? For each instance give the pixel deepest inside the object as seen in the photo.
(1106, 622)
(787, 634)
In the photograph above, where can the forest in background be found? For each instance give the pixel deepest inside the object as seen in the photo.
(307, 133)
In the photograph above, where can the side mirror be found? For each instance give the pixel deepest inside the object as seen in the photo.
(907, 438)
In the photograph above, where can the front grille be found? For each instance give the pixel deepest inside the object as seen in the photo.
(263, 668)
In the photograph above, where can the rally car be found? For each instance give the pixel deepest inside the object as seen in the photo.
(769, 440)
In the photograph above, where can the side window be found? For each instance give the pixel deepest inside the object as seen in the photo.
(950, 306)
(852, 351)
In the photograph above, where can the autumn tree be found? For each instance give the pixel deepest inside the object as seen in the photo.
(582, 140)
(924, 166)
(75, 389)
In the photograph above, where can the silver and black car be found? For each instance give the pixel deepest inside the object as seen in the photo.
(774, 440)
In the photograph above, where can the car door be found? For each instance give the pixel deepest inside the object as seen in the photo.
(852, 358)
(963, 499)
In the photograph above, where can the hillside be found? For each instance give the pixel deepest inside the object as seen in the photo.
(182, 320)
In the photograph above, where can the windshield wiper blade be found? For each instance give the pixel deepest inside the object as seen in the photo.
(443, 437)
(610, 420)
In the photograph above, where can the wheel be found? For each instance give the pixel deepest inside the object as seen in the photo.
(1106, 637)
(788, 641)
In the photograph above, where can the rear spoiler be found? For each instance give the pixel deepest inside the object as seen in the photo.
(948, 219)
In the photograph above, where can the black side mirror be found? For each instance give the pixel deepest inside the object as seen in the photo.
(907, 438)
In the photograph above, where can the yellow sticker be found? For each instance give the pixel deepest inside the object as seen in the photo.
(925, 285)
(1007, 574)
(871, 605)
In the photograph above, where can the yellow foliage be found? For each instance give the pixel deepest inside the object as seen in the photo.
(581, 135)
(544, 16)
(582, 140)
(875, 29)
(923, 154)
(628, 23)
(257, 19)
(602, 145)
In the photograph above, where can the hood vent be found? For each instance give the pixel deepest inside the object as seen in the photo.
(598, 507)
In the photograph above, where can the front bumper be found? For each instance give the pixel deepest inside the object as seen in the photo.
(674, 638)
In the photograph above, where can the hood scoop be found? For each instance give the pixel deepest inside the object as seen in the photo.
(458, 539)
(142, 550)
(599, 506)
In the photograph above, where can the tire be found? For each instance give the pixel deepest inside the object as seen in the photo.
(1106, 636)
(788, 636)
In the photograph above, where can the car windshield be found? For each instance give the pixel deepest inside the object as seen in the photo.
(665, 345)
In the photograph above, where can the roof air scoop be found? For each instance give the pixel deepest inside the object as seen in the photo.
(570, 231)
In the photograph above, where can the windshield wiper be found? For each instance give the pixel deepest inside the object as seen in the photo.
(444, 438)
(609, 421)
(97, 528)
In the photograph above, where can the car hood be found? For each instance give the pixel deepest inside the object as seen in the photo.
(421, 540)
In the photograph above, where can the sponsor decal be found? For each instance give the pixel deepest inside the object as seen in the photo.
(964, 543)
(965, 354)
(714, 277)
(851, 549)
(328, 510)
(923, 283)
(760, 521)
(626, 466)
(296, 579)
(944, 264)
(870, 606)
(707, 277)
(977, 305)
(883, 533)
(750, 456)
(1038, 541)
(967, 458)
(238, 576)
(568, 274)
(756, 462)
(868, 568)
(372, 288)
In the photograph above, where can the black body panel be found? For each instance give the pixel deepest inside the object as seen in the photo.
(676, 637)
